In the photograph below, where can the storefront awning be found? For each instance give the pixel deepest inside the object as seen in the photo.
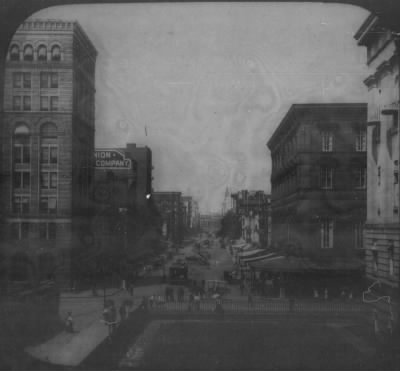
(279, 263)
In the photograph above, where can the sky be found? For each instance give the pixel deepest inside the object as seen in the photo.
(205, 85)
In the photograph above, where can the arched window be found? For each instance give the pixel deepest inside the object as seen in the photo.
(42, 53)
(14, 52)
(22, 148)
(55, 53)
(28, 53)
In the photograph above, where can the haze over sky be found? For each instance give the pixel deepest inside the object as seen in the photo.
(205, 85)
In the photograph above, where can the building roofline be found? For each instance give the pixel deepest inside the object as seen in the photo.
(297, 107)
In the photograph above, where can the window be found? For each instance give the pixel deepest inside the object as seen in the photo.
(21, 204)
(48, 205)
(21, 80)
(358, 235)
(327, 141)
(27, 103)
(28, 53)
(361, 141)
(42, 53)
(21, 145)
(48, 80)
(44, 103)
(327, 234)
(22, 179)
(361, 178)
(48, 153)
(396, 172)
(53, 103)
(48, 179)
(14, 53)
(55, 53)
(45, 106)
(17, 103)
(47, 231)
(18, 100)
(20, 231)
(326, 177)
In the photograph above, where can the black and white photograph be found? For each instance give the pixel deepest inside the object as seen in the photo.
(208, 185)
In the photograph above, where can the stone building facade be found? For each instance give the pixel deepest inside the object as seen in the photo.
(319, 181)
(47, 144)
(382, 232)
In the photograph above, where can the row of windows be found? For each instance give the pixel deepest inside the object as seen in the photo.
(47, 205)
(46, 231)
(23, 80)
(327, 145)
(28, 54)
(23, 103)
(22, 179)
(326, 179)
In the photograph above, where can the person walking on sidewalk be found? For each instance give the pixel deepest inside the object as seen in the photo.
(69, 323)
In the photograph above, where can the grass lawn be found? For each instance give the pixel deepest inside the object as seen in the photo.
(268, 345)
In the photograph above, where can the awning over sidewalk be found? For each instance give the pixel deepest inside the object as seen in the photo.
(258, 257)
(249, 253)
(279, 263)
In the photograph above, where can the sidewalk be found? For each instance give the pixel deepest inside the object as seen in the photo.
(68, 349)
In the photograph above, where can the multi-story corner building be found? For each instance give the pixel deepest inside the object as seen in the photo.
(47, 144)
(382, 232)
(253, 208)
(143, 158)
(319, 180)
(169, 205)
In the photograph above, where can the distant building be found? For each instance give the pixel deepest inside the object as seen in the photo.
(210, 223)
(319, 181)
(47, 149)
(169, 205)
(253, 208)
(143, 158)
(382, 232)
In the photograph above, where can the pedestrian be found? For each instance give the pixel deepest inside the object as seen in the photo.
(144, 304)
(343, 295)
(316, 295)
(122, 312)
(151, 301)
(69, 323)
(250, 299)
(197, 301)
(191, 299)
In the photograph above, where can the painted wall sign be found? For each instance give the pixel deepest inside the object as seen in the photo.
(111, 159)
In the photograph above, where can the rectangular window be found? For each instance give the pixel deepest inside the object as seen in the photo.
(22, 154)
(22, 80)
(48, 154)
(21, 204)
(17, 103)
(359, 235)
(327, 141)
(53, 103)
(48, 179)
(27, 103)
(48, 205)
(47, 231)
(361, 178)
(20, 231)
(48, 80)
(361, 141)
(44, 103)
(326, 177)
(17, 80)
(22, 179)
(327, 234)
